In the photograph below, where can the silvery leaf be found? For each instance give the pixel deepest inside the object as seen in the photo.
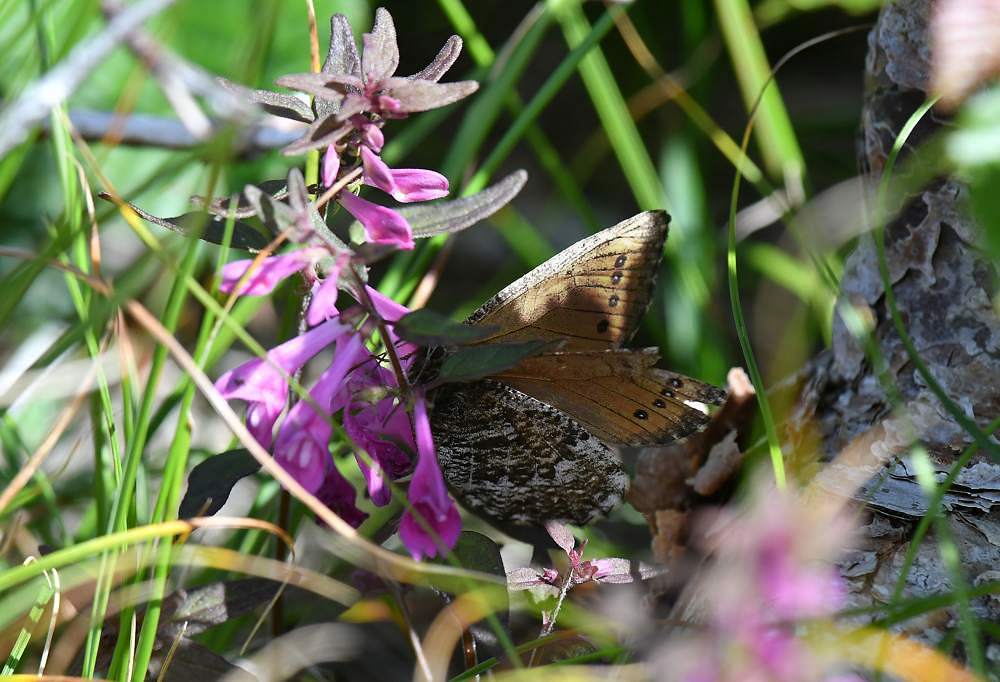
(446, 56)
(243, 209)
(342, 57)
(380, 58)
(443, 217)
(285, 106)
(321, 133)
(421, 95)
(204, 226)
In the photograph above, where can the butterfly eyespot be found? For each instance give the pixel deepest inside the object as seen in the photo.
(602, 326)
(676, 383)
(613, 300)
(640, 414)
(620, 261)
(616, 278)
(667, 392)
(659, 403)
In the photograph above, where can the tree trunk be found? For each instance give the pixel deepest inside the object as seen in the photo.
(943, 287)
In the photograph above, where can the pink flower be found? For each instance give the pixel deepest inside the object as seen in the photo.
(331, 165)
(371, 134)
(381, 428)
(338, 494)
(428, 497)
(268, 273)
(404, 184)
(391, 311)
(382, 225)
(324, 294)
(302, 445)
(262, 382)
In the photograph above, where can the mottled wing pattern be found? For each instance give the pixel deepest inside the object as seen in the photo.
(590, 296)
(616, 394)
(510, 457)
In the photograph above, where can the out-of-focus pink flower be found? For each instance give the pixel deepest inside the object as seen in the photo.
(302, 445)
(772, 567)
(339, 495)
(262, 383)
(381, 428)
(331, 165)
(382, 225)
(268, 273)
(324, 294)
(428, 497)
(404, 184)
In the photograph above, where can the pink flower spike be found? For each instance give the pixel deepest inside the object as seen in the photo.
(331, 165)
(268, 273)
(405, 184)
(261, 382)
(428, 497)
(302, 446)
(382, 225)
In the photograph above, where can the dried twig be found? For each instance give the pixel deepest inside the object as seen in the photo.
(54, 87)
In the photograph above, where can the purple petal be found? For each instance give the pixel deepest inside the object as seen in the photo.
(302, 446)
(382, 225)
(391, 311)
(324, 294)
(339, 495)
(418, 184)
(260, 380)
(305, 456)
(267, 274)
(261, 417)
(371, 134)
(428, 496)
(331, 165)
(404, 184)
(377, 172)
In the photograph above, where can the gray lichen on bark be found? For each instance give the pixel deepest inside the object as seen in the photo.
(944, 290)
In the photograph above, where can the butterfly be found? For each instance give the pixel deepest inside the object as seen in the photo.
(532, 443)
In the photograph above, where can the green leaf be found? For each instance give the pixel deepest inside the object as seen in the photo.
(425, 327)
(478, 552)
(476, 362)
(984, 200)
(204, 226)
(211, 482)
(191, 612)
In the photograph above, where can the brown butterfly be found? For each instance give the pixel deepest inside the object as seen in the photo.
(530, 444)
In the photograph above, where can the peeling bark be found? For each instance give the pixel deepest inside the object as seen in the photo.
(943, 288)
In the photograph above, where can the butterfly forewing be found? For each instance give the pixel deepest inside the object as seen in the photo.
(616, 394)
(590, 296)
(525, 446)
(509, 457)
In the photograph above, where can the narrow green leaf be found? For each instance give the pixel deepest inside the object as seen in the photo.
(425, 327)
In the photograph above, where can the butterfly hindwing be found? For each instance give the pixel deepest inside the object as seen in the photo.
(510, 457)
(616, 394)
(590, 296)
